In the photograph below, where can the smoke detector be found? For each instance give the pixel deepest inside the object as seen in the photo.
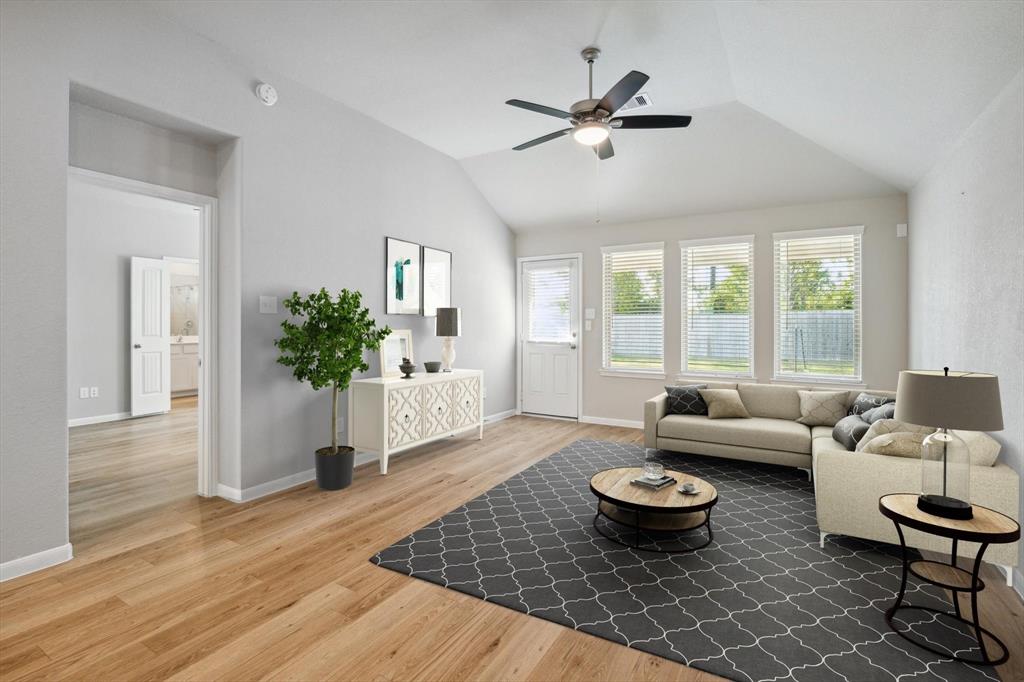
(266, 94)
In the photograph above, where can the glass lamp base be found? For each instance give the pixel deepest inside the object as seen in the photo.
(946, 507)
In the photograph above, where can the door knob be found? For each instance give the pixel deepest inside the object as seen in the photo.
(137, 345)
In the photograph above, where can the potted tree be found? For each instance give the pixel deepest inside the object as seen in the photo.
(325, 349)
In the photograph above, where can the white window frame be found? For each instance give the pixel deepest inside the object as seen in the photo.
(632, 372)
(857, 378)
(684, 303)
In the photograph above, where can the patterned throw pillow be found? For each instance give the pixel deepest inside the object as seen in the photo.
(868, 401)
(882, 412)
(724, 403)
(822, 408)
(898, 444)
(884, 426)
(849, 430)
(685, 400)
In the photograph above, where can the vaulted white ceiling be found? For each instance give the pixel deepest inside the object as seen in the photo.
(792, 101)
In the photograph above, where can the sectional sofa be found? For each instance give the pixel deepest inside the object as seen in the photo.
(847, 484)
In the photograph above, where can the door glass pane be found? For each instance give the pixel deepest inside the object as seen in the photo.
(548, 299)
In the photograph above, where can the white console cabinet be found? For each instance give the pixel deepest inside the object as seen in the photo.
(390, 414)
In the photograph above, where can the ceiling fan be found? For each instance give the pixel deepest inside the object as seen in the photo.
(591, 120)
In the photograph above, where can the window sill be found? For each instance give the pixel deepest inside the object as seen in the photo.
(824, 381)
(633, 374)
(738, 378)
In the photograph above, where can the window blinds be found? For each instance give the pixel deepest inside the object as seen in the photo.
(717, 312)
(633, 308)
(548, 292)
(818, 304)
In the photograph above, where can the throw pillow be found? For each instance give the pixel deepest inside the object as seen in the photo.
(822, 408)
(685, 400)
(868, 401)
(882, 412)
(724, 403)
(983, 448)
(898, 444)
(849, 430)
(884, 426)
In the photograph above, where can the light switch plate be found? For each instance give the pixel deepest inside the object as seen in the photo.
(268, 304)
(83, 392)
(94, 392)
(901, 230)
(589, 313)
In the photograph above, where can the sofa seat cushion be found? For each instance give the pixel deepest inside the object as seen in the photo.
(753, 432)
(826, 444)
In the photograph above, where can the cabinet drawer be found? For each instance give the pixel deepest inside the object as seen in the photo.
(437, 409)
(405, 416)
(466, 399)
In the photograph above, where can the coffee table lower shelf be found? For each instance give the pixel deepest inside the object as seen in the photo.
(653, 522)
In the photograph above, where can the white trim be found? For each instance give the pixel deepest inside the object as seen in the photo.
(826, 381)
(632, 374)
(555, 417)
(35, 562)
(180, 259)
(646, 246)
(709, 241)
(578, 257)
(738, 378)
(208, 457)
(99, 419)
(857, 230)
(607, 421)
(498, 416)
(1018, 582)
(264, 489)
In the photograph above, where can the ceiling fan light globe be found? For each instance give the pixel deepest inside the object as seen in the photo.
(592, 133)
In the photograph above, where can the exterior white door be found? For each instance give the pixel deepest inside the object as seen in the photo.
(550, 337)
(150, 336)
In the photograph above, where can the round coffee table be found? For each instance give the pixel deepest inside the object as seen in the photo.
(988, 526)
(644, 509)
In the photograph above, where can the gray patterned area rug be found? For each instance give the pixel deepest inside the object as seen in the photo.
(762, 602)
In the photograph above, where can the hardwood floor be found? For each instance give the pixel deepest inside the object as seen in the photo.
(167, 585)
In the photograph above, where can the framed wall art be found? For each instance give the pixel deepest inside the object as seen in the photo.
(437, 280)
(396, 346)
(402, 267)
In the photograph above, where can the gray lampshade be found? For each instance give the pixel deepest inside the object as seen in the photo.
(962, 400)
(449, 322)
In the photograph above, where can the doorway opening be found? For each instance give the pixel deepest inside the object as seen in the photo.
(549, 375)
(141, 334)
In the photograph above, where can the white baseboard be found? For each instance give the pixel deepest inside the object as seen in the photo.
(264, 489)
(1018, 582)
(498, 416)
(35, 562)
(605, 421)
(99, 419)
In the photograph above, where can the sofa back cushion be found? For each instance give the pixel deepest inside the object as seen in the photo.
(685, 400)
(774, 402)
(983, 448)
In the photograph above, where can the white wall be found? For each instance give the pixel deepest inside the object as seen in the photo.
(884, 288)
(319, 185)
(967, 262)
(118, 145)
(105, 229)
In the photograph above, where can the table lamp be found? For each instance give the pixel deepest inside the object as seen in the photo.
(449, 325)
(968, 401)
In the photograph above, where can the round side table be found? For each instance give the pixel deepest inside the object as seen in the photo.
(987, 527)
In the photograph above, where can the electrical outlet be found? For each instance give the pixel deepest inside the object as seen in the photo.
(485, 394)
(268, 305)
(83, 392)
(94, 392)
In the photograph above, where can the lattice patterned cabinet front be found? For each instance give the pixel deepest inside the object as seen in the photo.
(404, 416)
(466, 397)
(437, 409)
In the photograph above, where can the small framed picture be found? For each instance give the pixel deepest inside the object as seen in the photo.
(437, 280)
(402, 277)
(396, 346)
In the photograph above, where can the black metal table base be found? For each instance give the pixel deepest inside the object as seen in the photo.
(638, 530)
(976, 586)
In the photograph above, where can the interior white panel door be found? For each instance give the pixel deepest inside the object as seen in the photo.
(150, 336)
(550, 319)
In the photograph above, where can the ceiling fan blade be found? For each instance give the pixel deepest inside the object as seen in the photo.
(542, 140)
(650, 121)
(622, 91)
(539, 108)
(605, 149)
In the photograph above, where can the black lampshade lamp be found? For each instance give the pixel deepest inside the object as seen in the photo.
(968, 401)
(448, 326)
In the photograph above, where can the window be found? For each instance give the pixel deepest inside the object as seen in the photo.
(818, 304)
(633, 308)
(548, 292)
(717, 306)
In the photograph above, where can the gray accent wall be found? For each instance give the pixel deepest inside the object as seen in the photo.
(967, 262)
(318, 187)
(884, 287)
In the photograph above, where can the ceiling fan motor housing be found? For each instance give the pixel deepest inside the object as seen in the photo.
(586, 110)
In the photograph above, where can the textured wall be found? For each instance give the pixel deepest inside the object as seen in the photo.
(967, 261)
(884, 287)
